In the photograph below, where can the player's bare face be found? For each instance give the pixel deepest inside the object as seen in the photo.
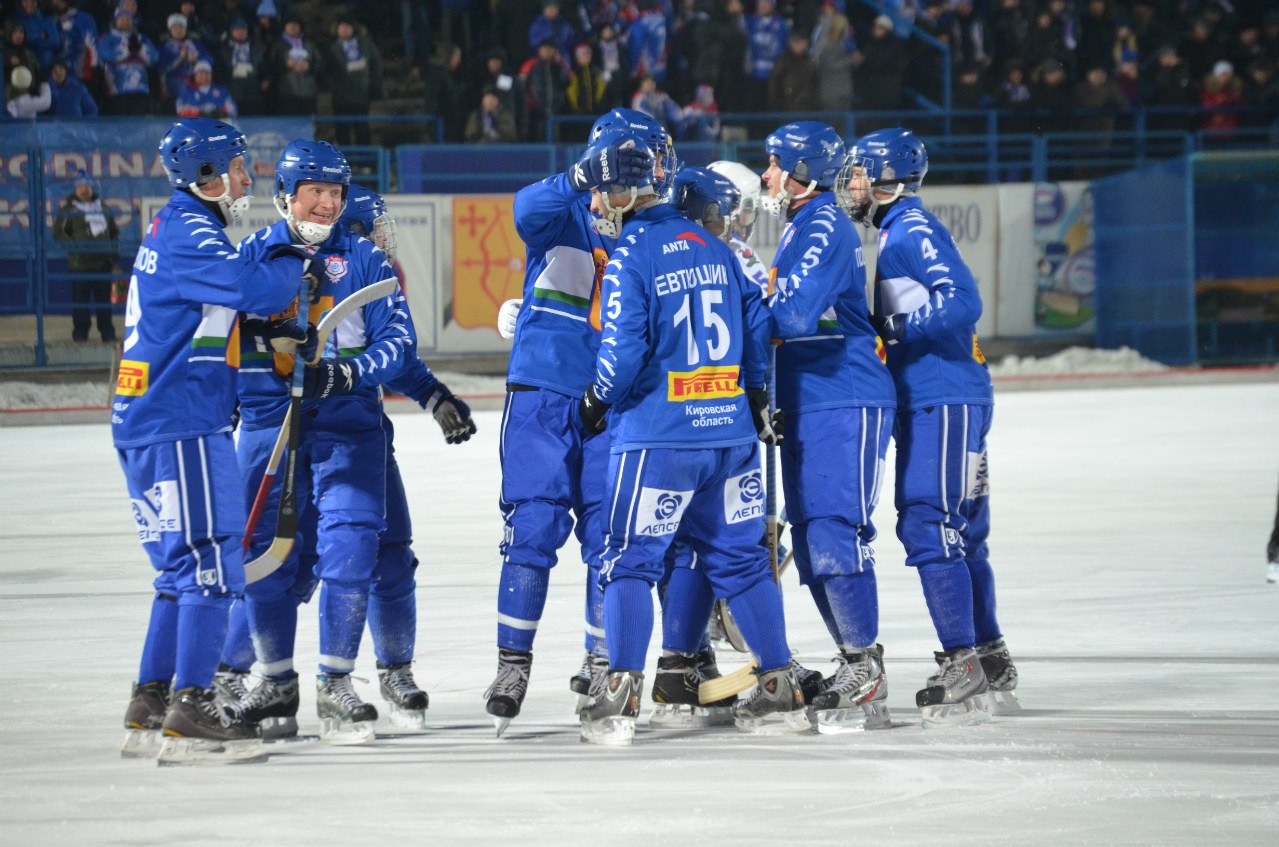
(859, 187)
(773, 177)
(317, 202)
(237, 174)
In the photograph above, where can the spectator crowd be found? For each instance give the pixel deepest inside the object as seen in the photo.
(499, 70)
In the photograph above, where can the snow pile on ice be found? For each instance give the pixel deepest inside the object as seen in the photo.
(1077, 360)
(32, 395)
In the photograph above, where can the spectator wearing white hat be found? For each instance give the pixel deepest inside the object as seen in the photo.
(204, 98)
(21, 102)
(1222, 89)
(179, 53)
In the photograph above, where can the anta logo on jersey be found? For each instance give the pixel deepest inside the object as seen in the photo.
(660, 511)
(675, 247)
(743, 497)
(335, 267)
(133, 378)
(702, 384)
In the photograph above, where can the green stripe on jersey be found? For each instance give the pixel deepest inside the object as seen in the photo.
(208, 341)
(350, 351)
(572, 300)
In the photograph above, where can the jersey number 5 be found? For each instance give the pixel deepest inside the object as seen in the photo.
(716, 348)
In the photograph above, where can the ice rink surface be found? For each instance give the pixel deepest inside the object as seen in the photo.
(1129, 526)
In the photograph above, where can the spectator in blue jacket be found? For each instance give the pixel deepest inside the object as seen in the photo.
(127, 56)
(43, 36)
(71, 99)
(79, 39)
(766, 35)
(551, 25)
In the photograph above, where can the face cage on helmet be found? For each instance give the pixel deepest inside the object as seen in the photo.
(863, 213)
(384, 235)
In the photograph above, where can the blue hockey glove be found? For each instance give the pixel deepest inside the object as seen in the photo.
(593, 411)
(613, 165)
(283, 335)
(891, 328)
(453, 416)
(312, 268)
(329, 378)
(769, 428)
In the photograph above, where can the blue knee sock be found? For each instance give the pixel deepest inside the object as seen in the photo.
(160, 650)
(853, 601)
(686, 611)
(596, 641)
(759, 615)
(628, 620)
(521, 596)
(238, 651)
(985, 623)
(949, 592)
(201, 634)
(393, 625)
(343, 610)
(273, 624)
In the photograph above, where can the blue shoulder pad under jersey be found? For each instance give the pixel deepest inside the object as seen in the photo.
(829, 357)
(921, 275)
(558, 331)
(685, 332)
(181, 341)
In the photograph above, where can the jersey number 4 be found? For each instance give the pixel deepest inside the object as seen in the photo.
(717, 347)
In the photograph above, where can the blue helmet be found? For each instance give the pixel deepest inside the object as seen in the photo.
(656, 138)
(610, 224)
(196, 151)
(892, 156)
(305, 160)
(707, 198)
(366, 215)
(808, 151)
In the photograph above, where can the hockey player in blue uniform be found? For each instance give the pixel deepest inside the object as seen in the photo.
(926, 308)
(681, 367)
(552, 476)
(342, 435)
(171, 424)
(839, 403)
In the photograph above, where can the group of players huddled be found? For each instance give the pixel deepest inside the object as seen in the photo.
(648, 345)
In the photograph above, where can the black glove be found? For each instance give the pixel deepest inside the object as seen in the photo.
(329, 378)
(453, 416)
(769, 428)
(283, 335)
(613, 165)
(891, 328)
(593, 411)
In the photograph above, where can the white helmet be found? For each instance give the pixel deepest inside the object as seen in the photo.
(748, 183)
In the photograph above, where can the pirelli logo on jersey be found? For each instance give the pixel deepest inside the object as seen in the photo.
(132, 381)
(702, 384)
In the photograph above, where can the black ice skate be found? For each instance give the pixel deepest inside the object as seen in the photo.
(230, 685)
(405, 700)
(855, 697)
(958, 694)
(344, 717)
(675, 691)
(610, 717)
(591, 675)
(273, 706)
(810, 681)
(505, 696)
(142, 720)
(775, 707)
(198, 731)
(1001, 675)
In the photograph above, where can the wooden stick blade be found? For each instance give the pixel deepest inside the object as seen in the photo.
(269, 562)
(729, 684)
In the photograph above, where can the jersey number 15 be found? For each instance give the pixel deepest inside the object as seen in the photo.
(716, 348)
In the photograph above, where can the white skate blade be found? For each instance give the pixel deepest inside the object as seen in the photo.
(970, 712)
(411, 719)
(278, 729)
(682, 716)
(869, 716)
(341, 734)
(179, 750)
(614, 731)
(140, 744)
(777, 723)
(1006, 702)
(501, 724)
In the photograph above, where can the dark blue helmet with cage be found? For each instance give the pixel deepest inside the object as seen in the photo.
(366, 215)
(892, 159)
(706, 197)
(640, 138)
(197, 151)
(657, 138)
(809, 152)
(305, 160)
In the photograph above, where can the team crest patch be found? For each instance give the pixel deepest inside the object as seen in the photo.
(335, 267)
(660, 511)
(743, 497)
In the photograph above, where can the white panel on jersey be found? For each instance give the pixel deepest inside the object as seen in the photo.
(660, 511)
(159, 511)
(902, 295)
(743, 497)
(978, 476)
(569, 271)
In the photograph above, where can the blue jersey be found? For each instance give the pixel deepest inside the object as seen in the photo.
(181, 345)
(558, 331)
(767, 39)
(378, 338)
(828, 358)
(751, 265)
(685, 332)
(208, 101)
(920, 274)
(126, 72)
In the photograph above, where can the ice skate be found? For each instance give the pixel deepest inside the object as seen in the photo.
(1001, 675)
(775, 707)
(142, 720)
(810, 681)
(1272, 573)
(675, 693)
(197, 731)
(273, 706)
(505, 696)
(958, 694)
(230, 685)
(344, 718)
(405, 700)
(610, 717)
(591, 675)
(855, 697)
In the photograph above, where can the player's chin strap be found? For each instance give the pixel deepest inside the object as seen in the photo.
(233, 211)
(610, 225)
(777, 206)
(310, 233)
(869, 214)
